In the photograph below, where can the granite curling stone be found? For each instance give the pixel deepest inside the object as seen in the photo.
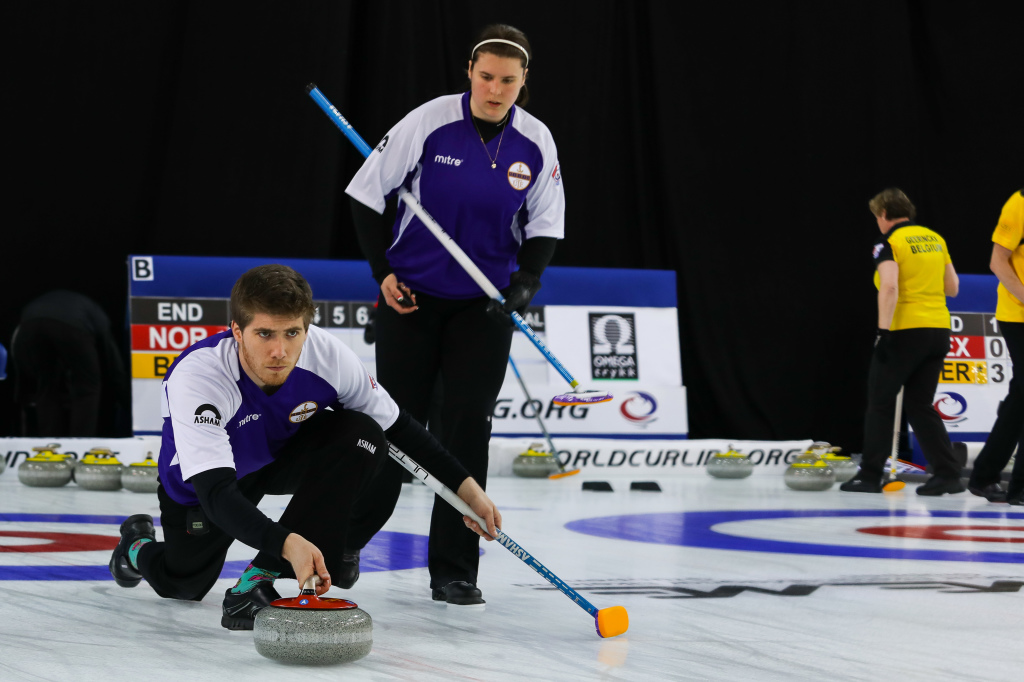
(731, 464)
(99, 470)
(141, 477)
(844, 466)
(313, 630)
(45, 468)
(809, 475)
(534, 463)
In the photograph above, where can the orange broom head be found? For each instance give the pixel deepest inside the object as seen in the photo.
(612, 621)
(894, 486)
(563, 474)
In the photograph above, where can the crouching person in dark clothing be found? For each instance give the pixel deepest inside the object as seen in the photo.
(271, 407)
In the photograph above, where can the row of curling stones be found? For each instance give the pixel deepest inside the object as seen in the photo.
(313, 630)
(99, 469)
(818, 468)
(535, 463)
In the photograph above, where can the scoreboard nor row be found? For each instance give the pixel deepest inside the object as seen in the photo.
(163, 327)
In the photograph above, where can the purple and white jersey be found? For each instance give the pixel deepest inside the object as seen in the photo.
(215, 416)
(436, 153)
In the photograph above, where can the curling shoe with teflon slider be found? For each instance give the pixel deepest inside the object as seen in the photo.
(862, 484)
(137, 527)
(240, 609)
(935, 486)
(459, 593)
(349, 573)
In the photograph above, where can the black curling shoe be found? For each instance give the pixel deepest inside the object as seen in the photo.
(349, 573)
(935, 486)
(133, 528)
(992, 492)
(458, 593)
(240, 609)
(862, 485)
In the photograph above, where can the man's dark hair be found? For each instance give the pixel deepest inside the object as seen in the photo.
(274, 290)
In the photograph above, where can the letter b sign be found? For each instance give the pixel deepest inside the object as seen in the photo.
(142, 268)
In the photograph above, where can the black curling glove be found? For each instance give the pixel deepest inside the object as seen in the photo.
(523, 286)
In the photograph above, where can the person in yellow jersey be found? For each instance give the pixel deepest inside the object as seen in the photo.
(914, 275)
(1008, 431)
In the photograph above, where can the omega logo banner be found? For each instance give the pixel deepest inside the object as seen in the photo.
(615, 346)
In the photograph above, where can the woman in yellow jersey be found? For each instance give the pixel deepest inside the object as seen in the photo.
(1008, 431)
(914, 275)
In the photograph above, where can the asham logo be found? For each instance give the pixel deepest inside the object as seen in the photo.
(383, 143)
(207, 414)
(639, 408)
(302, 412)
(951, 407)
(613, 346)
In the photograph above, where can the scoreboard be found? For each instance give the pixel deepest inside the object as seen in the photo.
(977, 370)
(590, 318)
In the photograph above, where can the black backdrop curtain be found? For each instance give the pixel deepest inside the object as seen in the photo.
(736, 144)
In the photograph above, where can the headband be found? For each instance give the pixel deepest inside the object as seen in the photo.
(501, 40)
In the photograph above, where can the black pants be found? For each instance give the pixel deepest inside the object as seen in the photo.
(914, 362)
(58, 377)
(1008, 431)
(321, 467)
(457, 341)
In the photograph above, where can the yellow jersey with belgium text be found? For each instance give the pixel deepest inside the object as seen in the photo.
(1010, 234)
(922, 257)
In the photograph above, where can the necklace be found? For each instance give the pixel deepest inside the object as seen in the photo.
(502, 122)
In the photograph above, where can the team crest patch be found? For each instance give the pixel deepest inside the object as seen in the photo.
(519, 175)
(302, 412)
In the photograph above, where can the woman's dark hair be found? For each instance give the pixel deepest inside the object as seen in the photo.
(511, 33)
(893, 203)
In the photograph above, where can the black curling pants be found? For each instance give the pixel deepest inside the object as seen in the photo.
(914, 362)
(456, 340)
(1008, 431)
(321, 467)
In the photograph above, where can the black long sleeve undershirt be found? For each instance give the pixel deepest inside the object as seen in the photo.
(227, 508)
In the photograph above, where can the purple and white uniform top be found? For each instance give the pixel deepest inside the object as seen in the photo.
(436, 153)
(215, 416)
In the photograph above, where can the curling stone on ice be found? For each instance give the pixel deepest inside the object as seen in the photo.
(99, 470)
(141, 477)
(844, 466)
(731, 464)
(805, 474)
(313, 630)
(534, 463)
(45, 468)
